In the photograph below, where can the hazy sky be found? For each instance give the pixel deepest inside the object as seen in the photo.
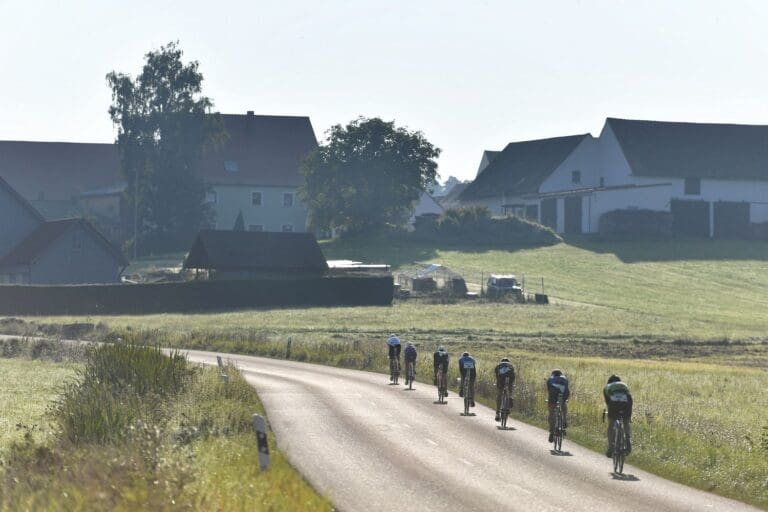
(471, 75)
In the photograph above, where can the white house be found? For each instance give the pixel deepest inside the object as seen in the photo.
(712, 178)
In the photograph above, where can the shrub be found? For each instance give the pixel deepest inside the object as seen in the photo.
(636, 222)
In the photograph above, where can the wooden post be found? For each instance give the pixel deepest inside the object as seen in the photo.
(260, 426)
(222, 373)
(542, 286)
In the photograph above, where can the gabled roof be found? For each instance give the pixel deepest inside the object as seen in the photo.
(23, 202)
(693, 150)
(265, 150)
(44, 236)
(256, 251)
(521, 167)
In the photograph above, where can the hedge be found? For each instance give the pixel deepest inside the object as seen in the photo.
(195, 296)
(636, 222)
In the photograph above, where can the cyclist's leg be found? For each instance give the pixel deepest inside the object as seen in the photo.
(611, 417)
(472, 390)
(565, 415)
(551, 419)
(628, 431)
(461, 386)
(499, 392)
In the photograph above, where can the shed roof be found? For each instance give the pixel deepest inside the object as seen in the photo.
(256, 251)
(521, 167)
(40, 240)
(693, 150)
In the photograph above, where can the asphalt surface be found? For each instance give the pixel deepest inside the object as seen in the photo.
(370, 446)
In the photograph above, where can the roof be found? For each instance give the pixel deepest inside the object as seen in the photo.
(488, 156)
(23, 202)
(253, 250)
(521, 167)
(266, 151)
(58, 170)
(693, 150)
(44, 236)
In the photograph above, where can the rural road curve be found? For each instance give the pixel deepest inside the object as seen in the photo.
(369, 446)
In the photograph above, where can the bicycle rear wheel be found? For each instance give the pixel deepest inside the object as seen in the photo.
(558, 434)
(504, 409)
(618, 447)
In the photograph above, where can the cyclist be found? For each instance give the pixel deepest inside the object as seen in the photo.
(618, 400)
(557, 384)
(393, 344)
(467, 365)
(440, 358)
(503, 370)
(410, 357)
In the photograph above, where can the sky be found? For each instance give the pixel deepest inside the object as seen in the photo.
(471, 75)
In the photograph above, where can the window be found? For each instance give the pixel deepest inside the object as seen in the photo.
(211, 197)
(288, 200)
(575, 176)
(256, 198)
(255, 227)
(287, 228)
(231, 166)
(692, 186)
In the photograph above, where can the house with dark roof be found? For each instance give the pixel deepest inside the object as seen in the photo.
(711, 178)
(256, 171)
(248, 254)
(18, 218)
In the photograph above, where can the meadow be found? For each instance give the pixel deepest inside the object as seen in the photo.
(135, 429)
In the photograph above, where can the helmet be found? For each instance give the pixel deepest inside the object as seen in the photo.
(410, 343)
(504, 359)
(614, 378)
(393, 335)
(441, 348)
(557, 372)
(465, 354)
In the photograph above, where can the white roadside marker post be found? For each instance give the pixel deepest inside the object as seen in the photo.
(260, 426)
(222, 373)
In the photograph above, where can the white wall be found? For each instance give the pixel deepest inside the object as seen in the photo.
(585, 159)
(614, 167)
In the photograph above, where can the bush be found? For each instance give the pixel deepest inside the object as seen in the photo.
(474, 224)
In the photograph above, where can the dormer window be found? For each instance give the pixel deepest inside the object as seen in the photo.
(575, 176)
(231, 166)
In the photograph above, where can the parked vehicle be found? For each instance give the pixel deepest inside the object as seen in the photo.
(500, 285)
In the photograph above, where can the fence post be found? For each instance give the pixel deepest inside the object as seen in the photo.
(481, 284)
(542, 286)
(222, 373)
(260, 426)
(288, 348)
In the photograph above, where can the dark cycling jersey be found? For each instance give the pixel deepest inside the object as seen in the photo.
(618, 398)
(410, 353)
(467, 363)
(502, 371)
(394, 346)
(556, 385)
(440, 358)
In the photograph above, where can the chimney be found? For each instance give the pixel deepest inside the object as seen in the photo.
(249, 113)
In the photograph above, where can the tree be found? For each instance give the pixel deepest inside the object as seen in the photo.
(239, 222)
(368, 175)
(164, 125)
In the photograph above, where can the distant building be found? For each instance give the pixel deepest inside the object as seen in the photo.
(244, 254)
(33, 251)
(426, 206)
(256, 172)
(712, 179)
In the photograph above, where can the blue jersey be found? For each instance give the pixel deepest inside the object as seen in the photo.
(394, 346)
(410, 353)
(557, 385)
(467, 364)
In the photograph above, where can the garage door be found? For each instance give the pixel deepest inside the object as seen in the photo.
(690, 218)
(573, 215)
(731, 219)
(549, 213)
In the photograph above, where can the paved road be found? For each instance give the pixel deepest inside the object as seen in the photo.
(369, 446)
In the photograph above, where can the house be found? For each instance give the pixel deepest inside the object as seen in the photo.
(247, 254)
(256, 171)
(426, 206)
(711, 178)
(18, 218)
(68, 251)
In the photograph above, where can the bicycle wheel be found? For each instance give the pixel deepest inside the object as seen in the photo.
(411, 374)
(466, 397)
(618, 447)
(504, 408)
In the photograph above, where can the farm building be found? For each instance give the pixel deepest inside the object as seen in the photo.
(710, 179)
(248, 254)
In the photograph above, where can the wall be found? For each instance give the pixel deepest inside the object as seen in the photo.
(232, 199)
(196, 296)
(76, 257)
(585, 159)
(16, 222)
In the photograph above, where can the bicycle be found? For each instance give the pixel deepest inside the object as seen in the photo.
(619, 444)
(557, 435)
(442, 385)
(394, 370)
(505, 404)
(467, 398)
(410, 373)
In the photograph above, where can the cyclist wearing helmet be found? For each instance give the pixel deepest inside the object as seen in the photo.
(467, 366)
(557, 384)
(618, 400)
(410, 357)
(393, 344)
(440, 358)
(503, 370)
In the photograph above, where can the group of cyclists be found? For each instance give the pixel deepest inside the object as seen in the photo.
(616, 394)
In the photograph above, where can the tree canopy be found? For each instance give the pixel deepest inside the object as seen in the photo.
(164, 125)
(368, 175)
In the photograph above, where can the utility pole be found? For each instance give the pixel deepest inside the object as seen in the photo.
(136, 216)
